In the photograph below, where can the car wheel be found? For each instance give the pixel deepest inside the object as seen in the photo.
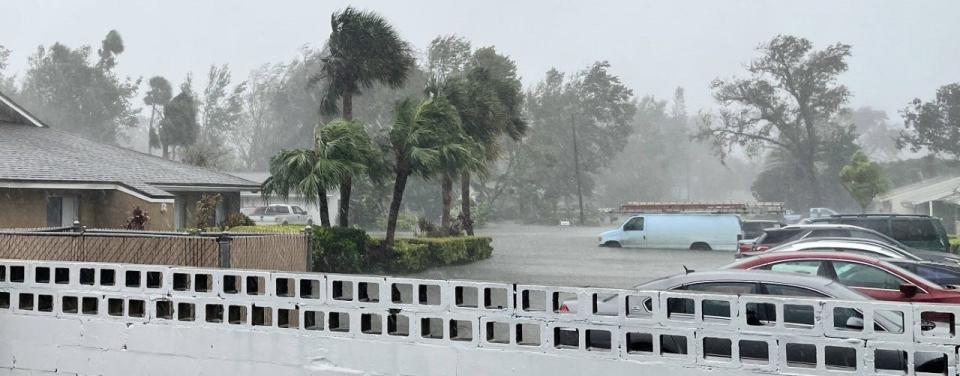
(612, 244)
(700, 246)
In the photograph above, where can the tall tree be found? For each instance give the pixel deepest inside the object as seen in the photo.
(934, 125)
(7, 85)
(347, 143)
(179, 127)
(67, 90)
(791, 95)
(422, 133)
(363, 50)
(220, 113)
(863, 179)
(157, 97)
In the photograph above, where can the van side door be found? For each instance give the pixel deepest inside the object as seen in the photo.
(634, 234)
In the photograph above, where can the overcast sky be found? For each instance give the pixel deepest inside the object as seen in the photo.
(901, 49)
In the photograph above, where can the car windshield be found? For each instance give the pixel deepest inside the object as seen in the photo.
(778, 236)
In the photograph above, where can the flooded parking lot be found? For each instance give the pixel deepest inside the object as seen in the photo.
(569, 256)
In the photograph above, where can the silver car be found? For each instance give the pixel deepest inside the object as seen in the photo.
(281, 214)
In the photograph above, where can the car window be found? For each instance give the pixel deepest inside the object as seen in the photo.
(280, 209)
(778, 236)
(828, 233)
(877, 224)
(786, 290)
(259, 211)
(724, 287)
(860, 275)
(634, 224)
(867, 235)
(914, 230)
(860, 252)
(938, 275)
(803, 267)
(298, 210)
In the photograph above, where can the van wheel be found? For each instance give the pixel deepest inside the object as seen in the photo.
(612, 244)
(700, 246)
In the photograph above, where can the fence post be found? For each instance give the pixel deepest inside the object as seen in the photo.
(308, 252)
(223, 242)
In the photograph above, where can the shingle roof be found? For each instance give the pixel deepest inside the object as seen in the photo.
(32, 154)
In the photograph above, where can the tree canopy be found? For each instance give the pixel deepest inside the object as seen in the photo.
(934, 125)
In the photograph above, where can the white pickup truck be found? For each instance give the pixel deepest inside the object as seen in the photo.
(279, 214)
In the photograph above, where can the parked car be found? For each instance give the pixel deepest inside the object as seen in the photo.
(281, 214)
(917, 231)
(676, 231)
(876, 278)
(774, 237)
(753, 229)
(870, 247)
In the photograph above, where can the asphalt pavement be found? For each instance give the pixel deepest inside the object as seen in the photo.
(569, 256)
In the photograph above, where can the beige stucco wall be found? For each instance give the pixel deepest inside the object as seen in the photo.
(22, 208)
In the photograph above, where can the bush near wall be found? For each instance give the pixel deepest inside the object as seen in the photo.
(954, 245)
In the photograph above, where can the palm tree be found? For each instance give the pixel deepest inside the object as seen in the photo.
(363, 50)
(424, 134)
(347, 143)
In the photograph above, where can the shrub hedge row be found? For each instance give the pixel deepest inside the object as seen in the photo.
(347, 250)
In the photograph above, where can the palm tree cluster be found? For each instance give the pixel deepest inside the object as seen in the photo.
(472, 100)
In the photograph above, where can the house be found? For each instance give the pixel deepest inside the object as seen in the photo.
(49, 178)
(250, 199)
(938, 197)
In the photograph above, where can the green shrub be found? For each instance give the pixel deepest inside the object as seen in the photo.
(409, 258)
(238, 219)
(954, 244)
(340, 250)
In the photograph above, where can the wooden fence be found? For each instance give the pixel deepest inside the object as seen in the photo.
(282, 252)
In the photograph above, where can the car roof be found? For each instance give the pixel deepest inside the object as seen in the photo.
(777, 256)
(737, 275)
(821, 225)
(854, 243)
(882, 215)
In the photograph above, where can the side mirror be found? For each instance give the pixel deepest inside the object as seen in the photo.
(909, 290)
(854, 323)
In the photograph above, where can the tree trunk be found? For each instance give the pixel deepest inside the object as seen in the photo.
(347, 104)
(446, 196)
(166, 151)
(398, 187)
(324, 209)
(153, 114)
(465, 203)
(343, 212)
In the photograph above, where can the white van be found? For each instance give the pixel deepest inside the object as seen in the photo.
(677, 231)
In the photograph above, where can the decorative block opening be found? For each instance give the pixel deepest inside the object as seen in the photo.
(202, 282)
(757, 352)
(639, 307)
(715, 310)
(25, 302)
(840, 358)
(89, 305)
(461, 330)
(261, 316)
(213, 313)
(565, 302)
(285, 287)
(313, 320)
(938, 324)
(606, 304)
(498, 332)
(761, 314)
(798, 315)
(430, 294)
(3, 273)
(934, 363)
(115, 307)
(309, 289)
(339, 322)
(401, 293)
(108, 277)
(398, 325)
(639, 343)
(431, 327)
(495, 298)
(136, 308)
(528, 334)
(68, 304)
(288, 318)
(181, 282)
(466, 296)
(801, 355)
(256, 285)
(231, 284)
(368, 292)
(890, 321)
(681, 309)
(342, 290)
(131, 278)
(87, 276)
(533, 300)
(237, 315)
(673, 345)
(4, 300)
(61, 276)
(890, 360)
(186, 312)
(154, 280)
(598, 340)
(17, 274)
(566, 338)
(371, 323)
(164, 309)
(41, 274)
(717, 348)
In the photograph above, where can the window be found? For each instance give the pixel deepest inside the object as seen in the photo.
(912, 230)
(828, 233)
(802, 267)
(298, 210)
(724, 287)
(878, 225)
(278, 210)
(784, 290)
(777, 236)
(867, 235)
(634, 224)
(860, 275)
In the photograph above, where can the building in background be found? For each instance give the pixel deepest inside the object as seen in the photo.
(937, 197)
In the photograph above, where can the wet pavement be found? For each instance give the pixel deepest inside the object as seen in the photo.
(569, 256)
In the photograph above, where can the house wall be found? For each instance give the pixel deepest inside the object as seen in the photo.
(187, 201)
(27, 208)
(22, 208)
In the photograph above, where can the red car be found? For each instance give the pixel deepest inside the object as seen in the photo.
(870, 276)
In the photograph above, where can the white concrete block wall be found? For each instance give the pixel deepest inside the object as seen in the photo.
(113, 319)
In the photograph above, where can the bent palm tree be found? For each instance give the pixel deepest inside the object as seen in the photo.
(347, 143)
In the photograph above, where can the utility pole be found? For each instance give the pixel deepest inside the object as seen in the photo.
(576, 166)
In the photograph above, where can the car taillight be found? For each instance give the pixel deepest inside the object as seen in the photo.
(564, 308)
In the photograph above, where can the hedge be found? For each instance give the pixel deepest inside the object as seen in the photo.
(343, 250)
(954, 244)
